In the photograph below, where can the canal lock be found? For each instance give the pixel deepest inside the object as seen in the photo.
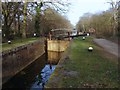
(37, 73)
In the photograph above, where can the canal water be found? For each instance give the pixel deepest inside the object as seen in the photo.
(36, 74)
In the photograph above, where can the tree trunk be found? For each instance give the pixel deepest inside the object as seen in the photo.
(19, 25)
(15, 22)
(24, 21)
(6, 29)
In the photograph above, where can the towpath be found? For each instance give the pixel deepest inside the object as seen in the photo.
(109, 46)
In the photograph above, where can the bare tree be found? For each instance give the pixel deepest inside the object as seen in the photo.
(10, 10)
(43, 5)
(114, 7)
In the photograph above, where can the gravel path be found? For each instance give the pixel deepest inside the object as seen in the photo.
(108, 46)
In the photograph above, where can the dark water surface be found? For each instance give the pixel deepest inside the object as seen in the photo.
(36, 74)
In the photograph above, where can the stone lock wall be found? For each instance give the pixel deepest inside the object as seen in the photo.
(57, 45)
(14, 60)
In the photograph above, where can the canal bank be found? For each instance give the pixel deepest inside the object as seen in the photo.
(16, 59)
(37, 73)
(80, 68)
(34, 75)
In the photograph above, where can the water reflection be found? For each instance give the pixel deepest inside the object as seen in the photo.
(54, 57)
(43, 77)
(27, 76)
(36, 74)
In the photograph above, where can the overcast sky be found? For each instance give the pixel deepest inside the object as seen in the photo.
(79, 7)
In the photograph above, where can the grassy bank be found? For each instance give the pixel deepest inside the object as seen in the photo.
(81, 68)
(19, 42)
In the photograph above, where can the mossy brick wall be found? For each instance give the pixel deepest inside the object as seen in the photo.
(14, 60)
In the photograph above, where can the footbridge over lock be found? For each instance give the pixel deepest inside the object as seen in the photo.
(59, 39)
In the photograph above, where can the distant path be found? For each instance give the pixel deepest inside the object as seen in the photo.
(108, 46)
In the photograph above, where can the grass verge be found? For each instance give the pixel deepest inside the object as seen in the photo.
(83, 69)
(19, 42)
